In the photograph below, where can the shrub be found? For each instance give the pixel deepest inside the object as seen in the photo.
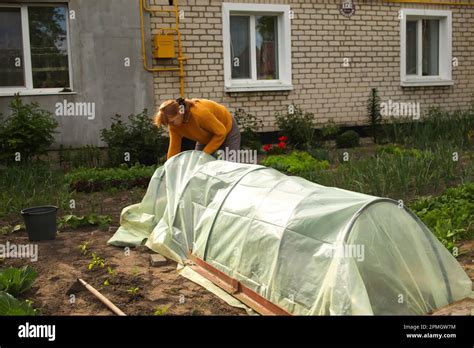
(348, 139)
(330, 130)
(297, 163)
(29, 131)
(297, 125)
(99, 179)
(140, 138)
(373, 113)
(249, 126)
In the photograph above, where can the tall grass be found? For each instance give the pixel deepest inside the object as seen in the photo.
(396, 175)
(31, 184)
(435, 127)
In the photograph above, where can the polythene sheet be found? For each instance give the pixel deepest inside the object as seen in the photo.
(310, 249)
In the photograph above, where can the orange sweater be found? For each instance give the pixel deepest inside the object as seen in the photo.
(209, 123)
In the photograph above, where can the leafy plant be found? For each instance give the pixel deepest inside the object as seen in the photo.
(10, 306)
(297, 125)
(133, 291)
(296, 163)
(96, 262)
(11, 229)
(348, 139)
(139, 138)
(99, 179)
(280, 148)
(84, 248)
(249, 126)
(373, 112)
(16, 281)
(160, 311)
(73, 221)
(450, 216)
(28, 131)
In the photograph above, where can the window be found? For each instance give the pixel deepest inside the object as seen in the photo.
(257, 47)
(34, 49)
(426, 40)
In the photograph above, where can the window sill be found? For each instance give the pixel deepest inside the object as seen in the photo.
(33, 93)
(426, 82)
(258, 88)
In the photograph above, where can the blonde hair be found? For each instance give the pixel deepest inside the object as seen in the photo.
(170, 108)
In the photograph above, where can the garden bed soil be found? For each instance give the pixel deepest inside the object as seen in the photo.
(60, 263)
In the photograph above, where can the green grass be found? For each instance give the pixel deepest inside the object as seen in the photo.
(28, 185)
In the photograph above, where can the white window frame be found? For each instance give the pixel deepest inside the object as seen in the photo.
(27, 67)
(284, 82)
(445, 48)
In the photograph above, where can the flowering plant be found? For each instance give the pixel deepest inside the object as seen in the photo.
(279, 148)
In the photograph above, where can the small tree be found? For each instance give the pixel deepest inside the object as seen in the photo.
(249, 126)
(373, 112)
(29, 131)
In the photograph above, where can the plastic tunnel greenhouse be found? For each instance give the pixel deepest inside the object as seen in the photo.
(295, 246)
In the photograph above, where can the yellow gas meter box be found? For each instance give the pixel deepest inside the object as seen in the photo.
(164, 46)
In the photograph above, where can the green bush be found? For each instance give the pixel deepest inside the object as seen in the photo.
(249, 126)
(297, 162)
(139, 138)
(348, 139)
(450, 216)
(297, 125)
(99, 179)
(28, 131)
(397, 150)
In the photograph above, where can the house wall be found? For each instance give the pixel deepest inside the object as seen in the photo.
(102, 35)
(321, 39)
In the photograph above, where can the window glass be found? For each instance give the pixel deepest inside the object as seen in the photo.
(49, 51)
(267, 47)
(411, 48)
(430, 46)
(11, 48)
(240, 46)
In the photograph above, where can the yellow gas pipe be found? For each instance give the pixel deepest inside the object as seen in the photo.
(180, 58)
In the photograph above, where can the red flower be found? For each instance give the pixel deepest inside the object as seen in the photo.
(281, 145)
(283, 138)
(267, 147)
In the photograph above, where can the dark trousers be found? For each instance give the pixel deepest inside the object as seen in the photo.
(232, 141)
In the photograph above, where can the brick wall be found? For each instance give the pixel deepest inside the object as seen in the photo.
(321, 39)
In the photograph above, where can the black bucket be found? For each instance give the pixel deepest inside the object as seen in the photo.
(40, 222)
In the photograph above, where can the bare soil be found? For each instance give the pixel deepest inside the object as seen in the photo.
(61, 262)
